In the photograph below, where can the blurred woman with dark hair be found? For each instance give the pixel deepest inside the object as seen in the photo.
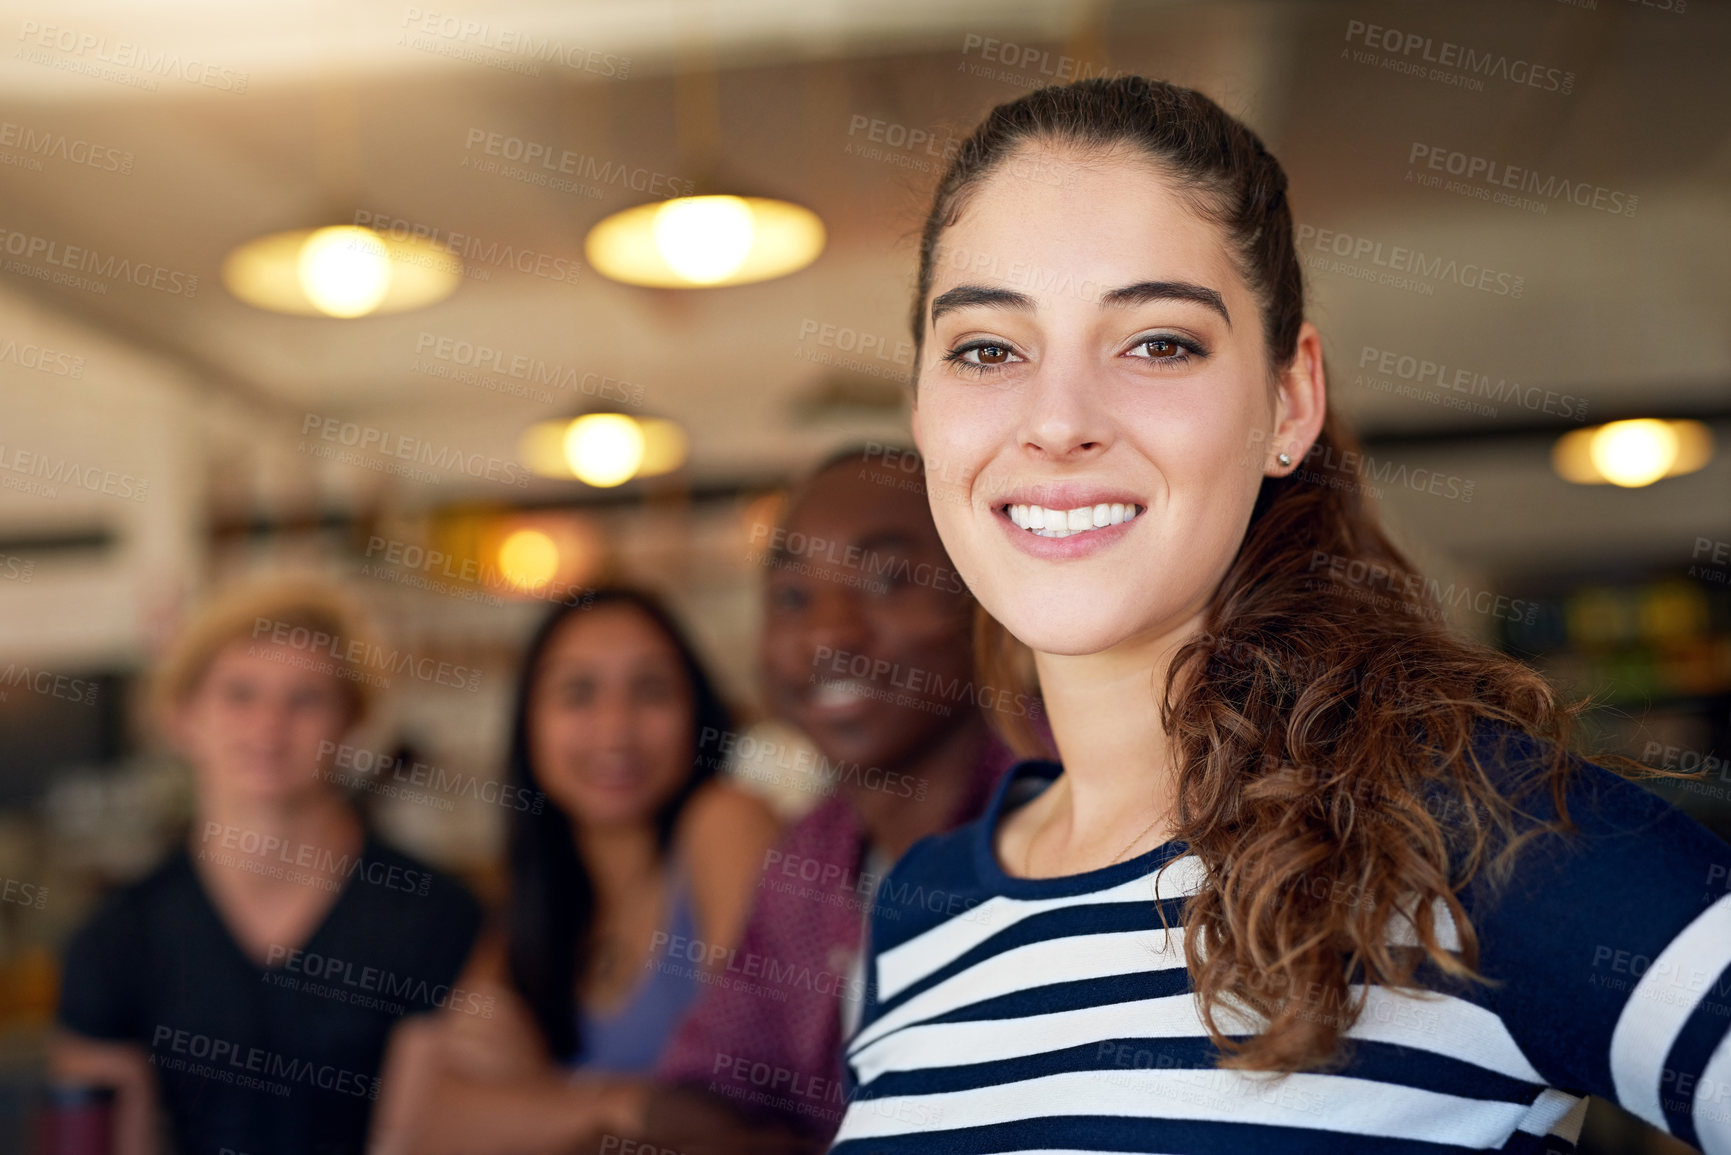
(631, 870)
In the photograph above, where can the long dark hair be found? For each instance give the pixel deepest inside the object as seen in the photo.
(1327, 705)
(551, 903)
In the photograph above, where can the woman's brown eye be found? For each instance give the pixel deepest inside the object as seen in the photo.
(993, 354)
(1161, 347)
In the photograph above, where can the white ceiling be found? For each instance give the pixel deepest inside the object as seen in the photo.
(343, 111)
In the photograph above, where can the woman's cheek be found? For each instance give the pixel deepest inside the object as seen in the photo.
(954, 414)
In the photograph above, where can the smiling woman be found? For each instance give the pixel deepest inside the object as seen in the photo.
(1305, 877)
(629, 880)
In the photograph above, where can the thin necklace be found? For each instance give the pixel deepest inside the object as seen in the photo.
(1028, 855)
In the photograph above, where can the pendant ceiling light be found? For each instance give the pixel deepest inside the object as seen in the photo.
(719, 236)
(340, 271)
(700, 242)
(604, 449)
(1632, 453)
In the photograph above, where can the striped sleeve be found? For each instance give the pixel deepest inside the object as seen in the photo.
(1612, 950)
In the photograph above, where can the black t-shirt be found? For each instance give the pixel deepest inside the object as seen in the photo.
(282, 1059)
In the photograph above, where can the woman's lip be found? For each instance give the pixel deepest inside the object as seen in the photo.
(610, 785)
(1076, 545)
(616, 776)
(1068, 495)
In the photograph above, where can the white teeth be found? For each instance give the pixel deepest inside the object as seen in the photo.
(1064, 522)
(840, 693)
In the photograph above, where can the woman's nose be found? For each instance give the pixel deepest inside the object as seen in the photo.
(1062, 418)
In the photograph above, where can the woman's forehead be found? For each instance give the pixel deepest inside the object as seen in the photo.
(611, 634)
(1113, 219)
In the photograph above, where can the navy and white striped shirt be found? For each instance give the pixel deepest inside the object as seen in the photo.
(1055, 1015)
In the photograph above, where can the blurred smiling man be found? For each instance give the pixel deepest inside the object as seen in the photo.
(867, 648)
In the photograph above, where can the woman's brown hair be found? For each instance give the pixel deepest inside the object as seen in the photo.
(1324, 724)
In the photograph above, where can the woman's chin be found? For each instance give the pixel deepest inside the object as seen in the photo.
(612, 808)
(1061, 645)
(1067, 621)
(1090, 632)
(601, 817)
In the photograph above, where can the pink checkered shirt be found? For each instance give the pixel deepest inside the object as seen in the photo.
(778, 1001)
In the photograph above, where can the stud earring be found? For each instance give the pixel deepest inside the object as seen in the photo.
(1283, 459)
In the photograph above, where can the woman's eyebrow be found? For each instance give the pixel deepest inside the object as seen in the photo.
(1145, 291)
(982, 296)
(969, 296)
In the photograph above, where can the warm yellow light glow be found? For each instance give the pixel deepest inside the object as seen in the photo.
(604, 449)
(1632, 453)
(545, 446)
(342, 271)
(542, 448)
(528, 558)
(699, 242)
(705, 239)
(664, 446)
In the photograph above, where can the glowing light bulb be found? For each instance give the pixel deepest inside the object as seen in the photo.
(705, 239)
(1634, 453)
(528, 558)
(345, 271)
(604, 449)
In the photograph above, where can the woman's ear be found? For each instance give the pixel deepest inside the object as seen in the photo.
(1301, 398)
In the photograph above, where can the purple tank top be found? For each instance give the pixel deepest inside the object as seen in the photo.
(630, 1039)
